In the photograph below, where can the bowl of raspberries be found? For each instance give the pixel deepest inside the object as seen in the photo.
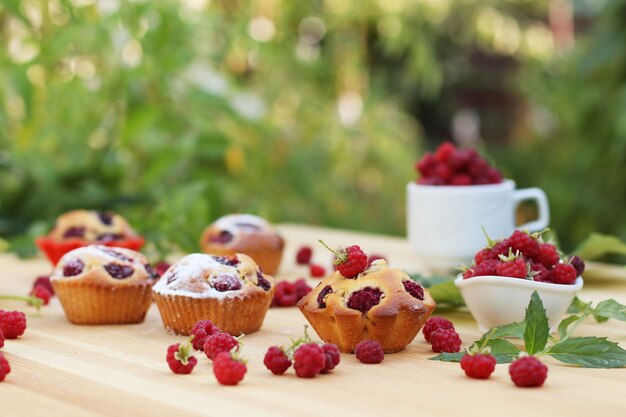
(498, 285)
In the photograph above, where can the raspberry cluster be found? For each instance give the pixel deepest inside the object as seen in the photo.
(452, 166)
(219, 347)
(442, 336)
(308, 358)
(287, 294)
(527, 256)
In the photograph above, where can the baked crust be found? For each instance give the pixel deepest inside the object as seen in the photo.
(394, 321)
(91, 226)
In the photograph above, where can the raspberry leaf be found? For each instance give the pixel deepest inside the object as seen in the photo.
(456, 357)
(509, 330)
(609, 309)
(589, 352)
(537, 329)
(565, 323)
(598, 245)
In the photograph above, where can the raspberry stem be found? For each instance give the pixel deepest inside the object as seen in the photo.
(341, 255)
(295, 343)
(34, 301)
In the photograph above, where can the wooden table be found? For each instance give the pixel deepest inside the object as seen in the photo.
(60, 369)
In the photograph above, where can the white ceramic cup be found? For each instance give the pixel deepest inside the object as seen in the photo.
(444, 223)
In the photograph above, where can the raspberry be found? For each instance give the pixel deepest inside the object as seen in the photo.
(484, 255)
(322, 294)
(369, 351)
(12, 323)
(523, 242)
(285, 295)
(461, 179)
(41, 292)
(226, 282)
(414, 289)
(445, 340)
(276, 360)
(227, 369)
(303, 257)
(486, 268)
(309, 360)
(426, 166)
(478, 366)
(445, 172)
(73, 268)
(333, 357)
(45, 282)
(118, 271)
(161, 267)
(317, 271)
(435, 323)
(547, 255)
(219, 342)
(501, 248)
(444, 152)
(1, 339)
(578, 264)
(227, 260)
(563, 274)
(200, 331)
(375, 257)
(262, 282)
(513, 267)
(106, 217)
(528, 371)
(302, 288)
(350, 261)
(363, 300)
(540, 273)
(179, 358)
(5, 368)
(223, 237)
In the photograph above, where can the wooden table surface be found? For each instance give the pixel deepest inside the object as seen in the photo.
(60, 369)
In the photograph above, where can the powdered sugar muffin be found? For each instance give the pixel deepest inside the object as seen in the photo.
(103, 285)
(380, 303)
(84, 227)
(231, 291)
(244, 233)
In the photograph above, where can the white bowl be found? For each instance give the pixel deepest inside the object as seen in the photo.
(494, 301)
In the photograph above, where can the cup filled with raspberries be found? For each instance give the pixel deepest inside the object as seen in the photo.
(503, 275)
(456, 193)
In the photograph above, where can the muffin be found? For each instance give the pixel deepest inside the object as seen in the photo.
(86, 227)
(102, 285)
(244, 233)
(380, 303)
(231, 291)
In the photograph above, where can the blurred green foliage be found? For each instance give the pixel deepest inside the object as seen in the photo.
(176, 112)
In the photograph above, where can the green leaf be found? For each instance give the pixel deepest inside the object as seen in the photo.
(501, 347)
(511, 329)
(537, 329)
(565, 323)
(446, 293)
(609, 309)
(577, 306)
(456, 357)
(589, 352)
(598, 245)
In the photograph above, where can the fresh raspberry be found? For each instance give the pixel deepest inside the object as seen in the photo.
(12, 323)
(435, 323)
(431, 181)
(413, 288)
(477, 168)
(369, 351)
(227, 369)
(317, 271)
(375, 257)
(493, 175)
(485, 254)
(500, 248)
(444, 152)
(226, 282)
(444, 171)
(285, 294)
(578, 264)
(73, 268)
(200, 331)
(540, 273)
(350, 261)
(161, 267)
(547, 255)
(445, 340)
(426, 165)
(1, 339)
(563, 274)
(219, 342)
(5, 368)
(363, 300)
(44, 281)
(309, 360)
(523, 242)
(461, 179)
(303, 257)
(276, 360)
(333, 357)
(41, 292)
(322, 294)
(478, 366)
(528, 371)
(302, 288)
(513, 267)
(179, 358)
(468, 273)
(486, 268)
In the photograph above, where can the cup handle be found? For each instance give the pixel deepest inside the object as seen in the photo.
(539, 196)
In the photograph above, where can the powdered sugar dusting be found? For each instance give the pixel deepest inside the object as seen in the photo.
(232, 222)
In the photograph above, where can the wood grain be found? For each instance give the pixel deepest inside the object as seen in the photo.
(60, 369)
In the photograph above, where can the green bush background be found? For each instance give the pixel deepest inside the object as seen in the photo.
(174, 113)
